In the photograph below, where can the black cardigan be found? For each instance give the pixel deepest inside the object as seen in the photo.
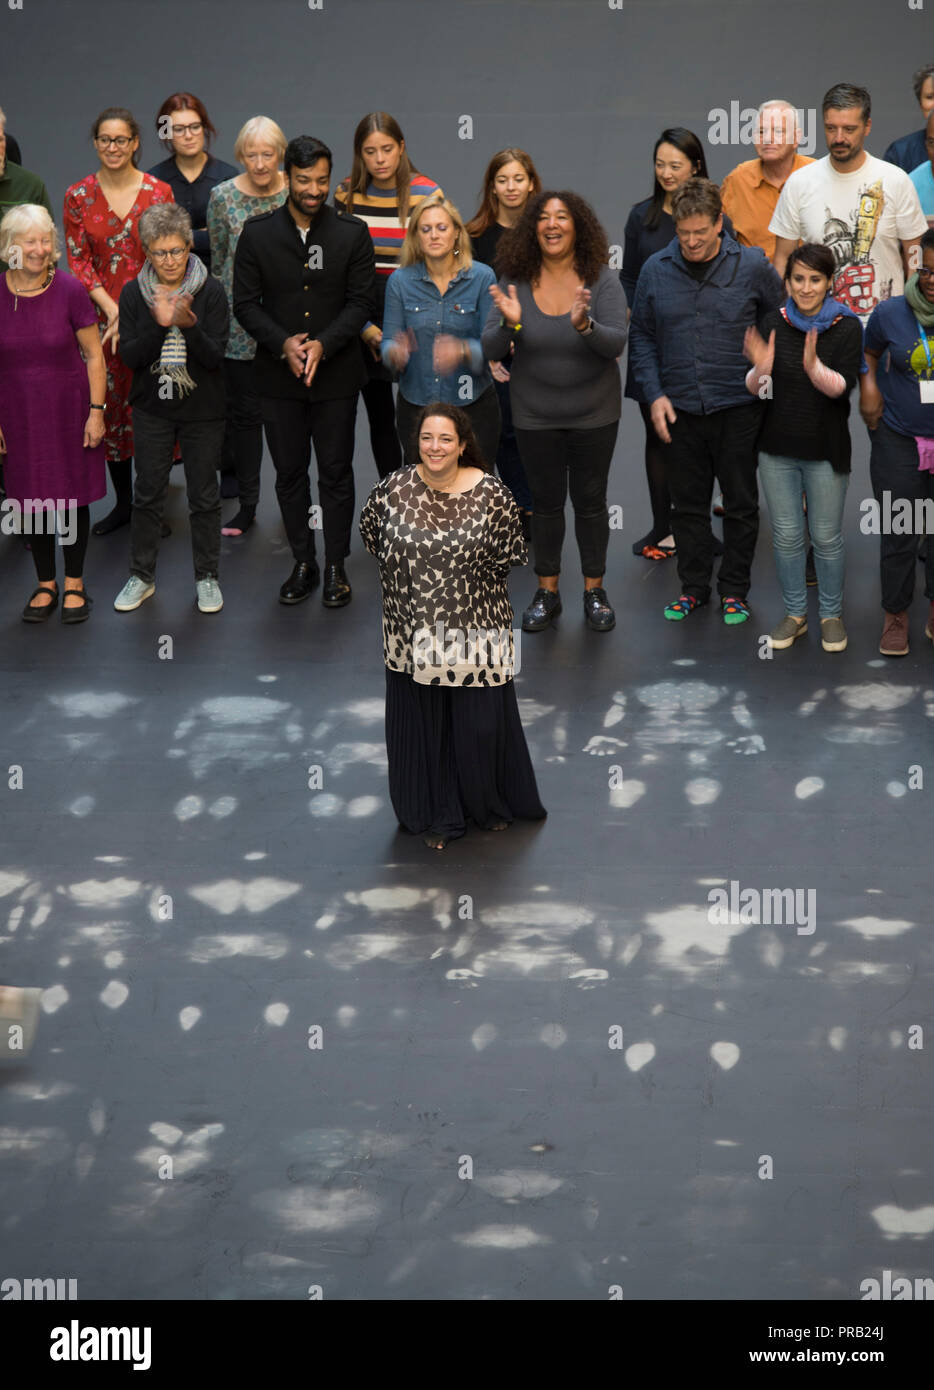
(140, 345)
(276, 294)
(800, 422)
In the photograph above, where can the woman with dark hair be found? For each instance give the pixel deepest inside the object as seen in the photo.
(191, 171)
(563, 310)
(510, 180)
(805, 372)
(102, 215)
(898, 408)
(382, 189)
(446, 533)
(678, 156)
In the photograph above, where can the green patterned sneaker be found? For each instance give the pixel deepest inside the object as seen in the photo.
(735, 610)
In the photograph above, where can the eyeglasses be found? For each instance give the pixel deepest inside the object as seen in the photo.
(174, 253)
(195, 128)
(104, 142)
(925, 274)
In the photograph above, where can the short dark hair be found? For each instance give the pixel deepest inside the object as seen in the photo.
(813, 255)
(304, 151)
(920, 77)
(696, 198)
(843, 95)
(927, 240)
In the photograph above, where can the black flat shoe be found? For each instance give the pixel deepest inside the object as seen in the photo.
(120, 516)
(300, 583)
(545, 605)
(40, 614)
(597, 610)
(337, 591)
(77, 612)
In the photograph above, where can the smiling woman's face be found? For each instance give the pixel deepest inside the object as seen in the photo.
(555, 229)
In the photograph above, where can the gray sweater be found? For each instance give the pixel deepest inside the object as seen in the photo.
(559, 378)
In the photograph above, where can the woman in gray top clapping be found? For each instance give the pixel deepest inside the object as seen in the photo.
(564, 312)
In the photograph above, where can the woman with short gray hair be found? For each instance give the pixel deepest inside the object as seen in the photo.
(174, 323)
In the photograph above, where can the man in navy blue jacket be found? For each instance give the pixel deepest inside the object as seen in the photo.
(694, 302)
(910, 150)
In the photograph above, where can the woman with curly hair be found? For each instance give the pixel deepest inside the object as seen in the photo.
(564, 312)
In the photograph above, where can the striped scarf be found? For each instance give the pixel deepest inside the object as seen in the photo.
(173, 360)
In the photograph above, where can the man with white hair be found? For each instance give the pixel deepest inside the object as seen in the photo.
(18, 185)
(750, 191)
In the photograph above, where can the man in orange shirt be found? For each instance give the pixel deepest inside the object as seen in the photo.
(750, 191)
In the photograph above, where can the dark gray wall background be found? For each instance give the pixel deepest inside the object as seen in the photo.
(583, 87)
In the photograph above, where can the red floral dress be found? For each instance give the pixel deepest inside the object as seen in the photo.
(105, 253)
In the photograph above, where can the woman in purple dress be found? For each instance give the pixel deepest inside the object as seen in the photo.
(52, 386)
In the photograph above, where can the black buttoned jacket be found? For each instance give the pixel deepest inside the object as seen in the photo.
(328, 292)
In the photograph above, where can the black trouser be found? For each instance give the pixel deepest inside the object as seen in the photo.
(893, 468)
(291, 429)
(655, 475)
(721, 445)
(201, 443)
(44, 546)
(484, 417)
(381, 414)
(508, 462)
(556, 461)
(243, 437)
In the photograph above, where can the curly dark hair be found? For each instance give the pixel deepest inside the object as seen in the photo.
(520, 256)
(471, 457)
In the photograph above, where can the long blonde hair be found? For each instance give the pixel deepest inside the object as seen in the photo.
(411, 252)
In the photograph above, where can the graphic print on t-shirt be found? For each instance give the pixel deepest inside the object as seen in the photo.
(855, 279)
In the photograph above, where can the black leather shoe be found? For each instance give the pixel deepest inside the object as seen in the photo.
(544, 606)
(597, 610)
(300, 583)
(337, 590)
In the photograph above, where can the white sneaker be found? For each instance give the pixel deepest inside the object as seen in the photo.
(134, 592)
(210, 598)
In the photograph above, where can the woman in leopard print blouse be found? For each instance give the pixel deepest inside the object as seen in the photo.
(446, 533)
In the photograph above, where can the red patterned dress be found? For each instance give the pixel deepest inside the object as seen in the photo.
(105, 253)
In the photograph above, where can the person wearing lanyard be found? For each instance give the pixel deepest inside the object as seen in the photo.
(898, 408)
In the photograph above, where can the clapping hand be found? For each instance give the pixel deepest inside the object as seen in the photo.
(507, 304)
(580, 309)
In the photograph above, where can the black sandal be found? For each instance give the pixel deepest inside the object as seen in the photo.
(80, 612)
(39, 614)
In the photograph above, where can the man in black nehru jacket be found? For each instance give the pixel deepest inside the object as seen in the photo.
(304, 286)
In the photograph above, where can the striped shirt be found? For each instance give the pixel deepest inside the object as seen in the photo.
(379, 209)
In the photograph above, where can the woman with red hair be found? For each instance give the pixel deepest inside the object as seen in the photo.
(191, 171)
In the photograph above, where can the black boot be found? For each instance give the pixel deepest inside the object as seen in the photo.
(122, 478)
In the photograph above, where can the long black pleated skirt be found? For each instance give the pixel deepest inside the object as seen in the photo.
(457, 754)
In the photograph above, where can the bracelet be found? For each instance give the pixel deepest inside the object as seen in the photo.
(515, 327)
(587, 329)
(97, 407)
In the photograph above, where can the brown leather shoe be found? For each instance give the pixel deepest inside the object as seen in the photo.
(895, 635)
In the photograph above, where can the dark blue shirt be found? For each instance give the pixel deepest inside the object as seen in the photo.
(686, 334)
(641, 242)
(908, 152)
(413, 302)
(193, 197)
(892, 325)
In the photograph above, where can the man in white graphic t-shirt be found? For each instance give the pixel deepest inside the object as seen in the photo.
(865, 210)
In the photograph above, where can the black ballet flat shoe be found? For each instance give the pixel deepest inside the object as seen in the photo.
(78, 612)
(597, 610)
(337, 591)
(545, 605)
(301, 581)
(120, 516)
(39, 614)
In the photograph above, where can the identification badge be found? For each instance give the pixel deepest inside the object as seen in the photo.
(927, 392)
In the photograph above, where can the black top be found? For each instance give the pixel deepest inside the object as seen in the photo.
(12, 151)
(801, 422)
(280, 289)
(193, 197)
(641, 242)
(141, 340)
(484, 246)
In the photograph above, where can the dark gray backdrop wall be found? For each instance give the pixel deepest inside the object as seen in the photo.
(584, 86)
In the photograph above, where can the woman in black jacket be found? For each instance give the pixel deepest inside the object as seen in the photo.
(174, 324)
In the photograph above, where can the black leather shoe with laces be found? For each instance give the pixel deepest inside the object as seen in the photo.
(545, 605)
(337, 590)
(597, 610)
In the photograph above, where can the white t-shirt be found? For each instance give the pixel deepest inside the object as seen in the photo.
(863, 217)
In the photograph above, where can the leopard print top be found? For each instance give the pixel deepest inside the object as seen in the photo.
(444, 559)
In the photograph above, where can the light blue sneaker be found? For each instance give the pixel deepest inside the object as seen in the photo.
(133, 593)
(210, 598)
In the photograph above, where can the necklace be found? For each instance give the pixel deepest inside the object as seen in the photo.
(37, 289)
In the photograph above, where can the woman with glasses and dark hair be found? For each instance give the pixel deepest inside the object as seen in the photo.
(383, 189)
(563, 310)
(678, 156)
(102, 215)
(191, 171)
(804, 368)
(510, 180)
(173, 328)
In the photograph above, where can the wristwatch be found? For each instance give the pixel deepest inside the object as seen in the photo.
(587, 329)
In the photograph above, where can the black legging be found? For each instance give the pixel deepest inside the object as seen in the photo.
(659, 499)
(44, 546)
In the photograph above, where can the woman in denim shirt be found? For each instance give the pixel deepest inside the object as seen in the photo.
(436, 305)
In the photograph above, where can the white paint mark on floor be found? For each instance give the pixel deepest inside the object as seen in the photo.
(276, 1014)
(224, 806)
(255, 895)
(896, 1221)
(553, 1035)
(166, 1134)
(482, 1037)
(725, 1054)
(84, 1159)
(628, 794)
(502, 1238)
(345, 1015)
(325, 804)
(519, 1184)
(362, 806)
(875, 695)
(188, 808)
(188, 1017)
(243, 709)
(92, 704)
(631, 949)
(639, 1055)
(267, 679)
(837, 1038)
(112, 892)
(256, 854)
(205, 949)
(702, 791)
(896, 789)
(113, 960)
(809, 786)
(82, 806)
(870, 927)
(114, 995)
(300, 1210)
(896, 1038)
(54, 998)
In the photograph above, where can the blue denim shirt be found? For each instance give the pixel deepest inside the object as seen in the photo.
(413, 302)
(686, 335)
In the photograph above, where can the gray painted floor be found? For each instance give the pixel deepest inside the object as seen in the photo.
(466, 1000)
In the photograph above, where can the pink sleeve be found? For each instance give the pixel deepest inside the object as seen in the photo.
(826, 379)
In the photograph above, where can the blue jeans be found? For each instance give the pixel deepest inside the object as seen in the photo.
(783, 481)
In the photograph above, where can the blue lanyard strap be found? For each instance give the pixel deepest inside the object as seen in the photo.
(925, 344)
